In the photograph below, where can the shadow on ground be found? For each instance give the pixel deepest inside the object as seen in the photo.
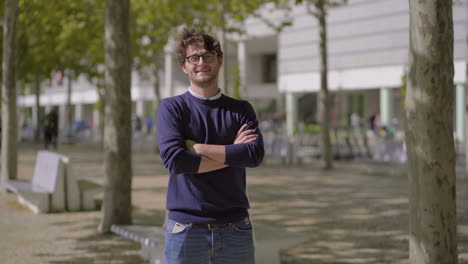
(347, 216)
(302, 214)
(101, 248)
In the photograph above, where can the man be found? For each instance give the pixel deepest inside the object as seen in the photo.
(51, 129)
(206, 141)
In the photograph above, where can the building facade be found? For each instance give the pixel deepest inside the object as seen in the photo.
(367, 55)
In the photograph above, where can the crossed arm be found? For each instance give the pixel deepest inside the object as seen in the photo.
(214, 156)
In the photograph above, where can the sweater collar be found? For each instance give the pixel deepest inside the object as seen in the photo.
(217, 96)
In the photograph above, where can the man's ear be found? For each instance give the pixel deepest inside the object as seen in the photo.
(183, 67)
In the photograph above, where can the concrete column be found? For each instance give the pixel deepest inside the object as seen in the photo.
(281, 102)
(79, 112)
(242, 62)
(95, 118)
(291, 113)
(168, 67)
(459, 112)
(386, 106)
(96, 128)
(291, 122)
(140, 108)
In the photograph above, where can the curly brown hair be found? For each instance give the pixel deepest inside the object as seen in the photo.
(189, 36)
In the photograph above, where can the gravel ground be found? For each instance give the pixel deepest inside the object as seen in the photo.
(356, 213)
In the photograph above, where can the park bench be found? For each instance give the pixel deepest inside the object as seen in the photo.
(151, 239)
(47, 190)
(88, 188)
(52, 188)
(277, 148)
(307, 146)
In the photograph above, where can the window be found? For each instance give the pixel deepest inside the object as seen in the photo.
(269, 64)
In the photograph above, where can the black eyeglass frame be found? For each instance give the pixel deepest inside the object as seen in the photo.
(187, 59)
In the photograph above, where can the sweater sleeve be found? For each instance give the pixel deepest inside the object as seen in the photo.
(246, 154)
(171, 141)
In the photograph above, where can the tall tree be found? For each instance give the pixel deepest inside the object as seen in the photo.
(59, 35)
(9, 122)
(117, 206)
(222, 10)
(80, 44)
(319, 9)
(429, 134)
(40, 24)
(465, 121)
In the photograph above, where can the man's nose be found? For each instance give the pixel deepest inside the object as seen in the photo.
(201, 60)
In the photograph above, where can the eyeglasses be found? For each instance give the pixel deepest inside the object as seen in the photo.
(207, 57)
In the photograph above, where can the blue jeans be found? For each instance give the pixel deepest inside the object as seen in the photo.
(196, 244)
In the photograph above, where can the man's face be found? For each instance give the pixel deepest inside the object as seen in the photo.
(201, 72)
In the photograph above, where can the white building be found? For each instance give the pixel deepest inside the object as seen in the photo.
(367, 52)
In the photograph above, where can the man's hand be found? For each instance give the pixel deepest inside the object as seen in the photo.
(245, 136)
(189, 144)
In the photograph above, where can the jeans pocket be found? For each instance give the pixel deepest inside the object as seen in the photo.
(173, 227)
(243, 225)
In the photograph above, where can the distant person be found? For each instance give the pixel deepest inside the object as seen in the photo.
(375, 123)
(149, 125)
(137, 124)
(51, 129)
(207, 139)
(137, 131)
(372, 121)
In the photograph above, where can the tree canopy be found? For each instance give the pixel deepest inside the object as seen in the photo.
(58, 35)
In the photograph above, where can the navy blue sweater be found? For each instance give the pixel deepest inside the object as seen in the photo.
(212, 197)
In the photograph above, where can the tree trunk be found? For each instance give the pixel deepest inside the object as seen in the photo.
(157, 98)
(324, 97)
(9, 122)
(465, 140)
(158, 59)
(37, 90)
(68, 111)
(222, 39)
(117, 205)
(102, 113)
(429, 134)
(466, 101)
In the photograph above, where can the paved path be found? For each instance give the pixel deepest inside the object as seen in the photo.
(354, 214)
